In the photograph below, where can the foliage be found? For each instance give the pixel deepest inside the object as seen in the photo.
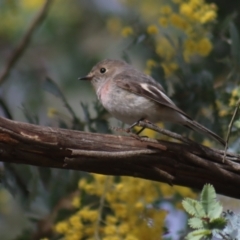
(114, 208)
(171, 30)
(120, 211)
(206, 215)
(208, 218)
(180, 53)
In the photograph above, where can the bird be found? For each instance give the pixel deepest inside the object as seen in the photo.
(130, 96)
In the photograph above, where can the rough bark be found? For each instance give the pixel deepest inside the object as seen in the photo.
(186, 164)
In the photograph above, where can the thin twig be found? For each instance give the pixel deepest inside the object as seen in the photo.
(165, 132)
(216, 156)
(100, 209)
(230, 129)
(21, 47)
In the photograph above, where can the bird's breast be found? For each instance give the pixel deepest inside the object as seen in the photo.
(124, 105)
(103, 93)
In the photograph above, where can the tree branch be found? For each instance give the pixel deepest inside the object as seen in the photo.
(22, 45)
(188, 164)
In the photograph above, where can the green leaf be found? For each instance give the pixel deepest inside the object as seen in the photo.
(211, 206)
(195, 223)
(218, 223)
(193, 207)
(198, 234)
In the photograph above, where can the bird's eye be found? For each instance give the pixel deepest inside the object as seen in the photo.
(102, 70)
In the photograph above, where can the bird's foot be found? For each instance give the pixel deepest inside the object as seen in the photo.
(136, 124)
(117, 129)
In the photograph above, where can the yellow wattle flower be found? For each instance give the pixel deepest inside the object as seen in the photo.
(152, 29)
(127, 31)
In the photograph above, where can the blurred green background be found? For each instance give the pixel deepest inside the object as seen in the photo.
(191, 47)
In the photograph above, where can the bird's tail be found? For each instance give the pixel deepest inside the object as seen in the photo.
(200, 128)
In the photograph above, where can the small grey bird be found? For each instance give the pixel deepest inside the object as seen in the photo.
(130, 95)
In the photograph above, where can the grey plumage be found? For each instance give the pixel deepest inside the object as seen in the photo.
(130, 95)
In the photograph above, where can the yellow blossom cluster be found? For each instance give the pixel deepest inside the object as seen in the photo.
(177, 27)
(190, 22)
(121, 208)
(224, 109)
(152, 29)
(235, 96)
(150, 65)
(114, 26)
(127, 31)
(32, 4)
(52, 112)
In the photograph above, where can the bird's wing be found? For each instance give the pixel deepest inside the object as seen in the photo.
(149, 89)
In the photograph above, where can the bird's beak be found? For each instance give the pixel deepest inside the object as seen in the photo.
(88, 77)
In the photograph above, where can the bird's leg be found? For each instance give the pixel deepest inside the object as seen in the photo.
(128, 130)
(135, 124)
(137, 133)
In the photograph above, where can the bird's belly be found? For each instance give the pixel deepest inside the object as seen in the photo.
(129, 107)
